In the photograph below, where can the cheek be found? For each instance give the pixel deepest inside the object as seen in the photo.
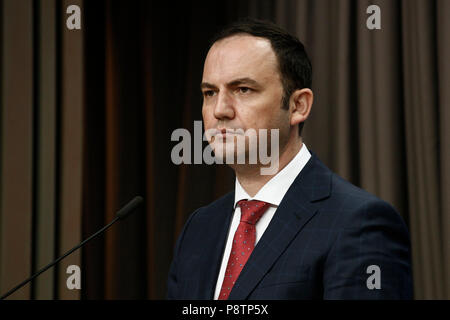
(207, 118)
(269, 117)
(282, 123)
(267, 111)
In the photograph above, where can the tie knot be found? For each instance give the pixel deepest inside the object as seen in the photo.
(252, 211)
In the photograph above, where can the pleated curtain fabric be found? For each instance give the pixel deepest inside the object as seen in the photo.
(381, 112)
(87, 116)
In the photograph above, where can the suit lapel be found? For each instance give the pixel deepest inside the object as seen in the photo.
(298, 206)
(218, 231)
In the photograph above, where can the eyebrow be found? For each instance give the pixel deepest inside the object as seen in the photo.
(234, 83)
(206, 85)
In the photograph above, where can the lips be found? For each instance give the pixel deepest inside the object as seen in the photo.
(229, 131)
(222, 133)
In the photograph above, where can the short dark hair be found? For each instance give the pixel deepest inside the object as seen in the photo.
(293, 62)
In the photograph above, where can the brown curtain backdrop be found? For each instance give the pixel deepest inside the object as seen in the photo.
(42, 128)
(87, 116)
(381, 112)
(144, 65)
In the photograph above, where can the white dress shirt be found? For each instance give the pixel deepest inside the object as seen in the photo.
(272, 192)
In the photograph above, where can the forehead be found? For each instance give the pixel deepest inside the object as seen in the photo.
(240, 56)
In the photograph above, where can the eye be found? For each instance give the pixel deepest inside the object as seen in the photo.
(244, 89)
(208, 93)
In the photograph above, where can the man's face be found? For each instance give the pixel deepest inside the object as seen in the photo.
(242, 89)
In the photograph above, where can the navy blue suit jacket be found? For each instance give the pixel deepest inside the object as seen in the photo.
(319, 244)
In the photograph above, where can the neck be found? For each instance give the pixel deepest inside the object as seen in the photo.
(250, 177)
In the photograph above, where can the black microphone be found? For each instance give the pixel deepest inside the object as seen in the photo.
(121, 214)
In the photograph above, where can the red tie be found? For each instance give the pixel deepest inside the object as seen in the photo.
(243, 243)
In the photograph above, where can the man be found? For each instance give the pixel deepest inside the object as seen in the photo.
(302, 232)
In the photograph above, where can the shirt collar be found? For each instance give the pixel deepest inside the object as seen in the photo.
(275, 189)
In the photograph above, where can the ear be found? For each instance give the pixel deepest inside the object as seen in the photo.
(300, 104)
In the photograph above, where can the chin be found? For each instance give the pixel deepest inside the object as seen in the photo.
(224, 151)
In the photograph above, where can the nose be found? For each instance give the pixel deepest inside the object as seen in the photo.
(224, 108)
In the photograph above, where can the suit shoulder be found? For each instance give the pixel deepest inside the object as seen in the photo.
(342, 187)
(217, 205)
(352, 195)
(357, 203)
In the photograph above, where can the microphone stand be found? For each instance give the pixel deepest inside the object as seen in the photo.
(121, 214)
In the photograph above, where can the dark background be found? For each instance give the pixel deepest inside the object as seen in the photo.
(87, 117)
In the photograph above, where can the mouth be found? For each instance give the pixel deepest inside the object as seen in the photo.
(230, 131)
(225, 133)
(221, 134)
